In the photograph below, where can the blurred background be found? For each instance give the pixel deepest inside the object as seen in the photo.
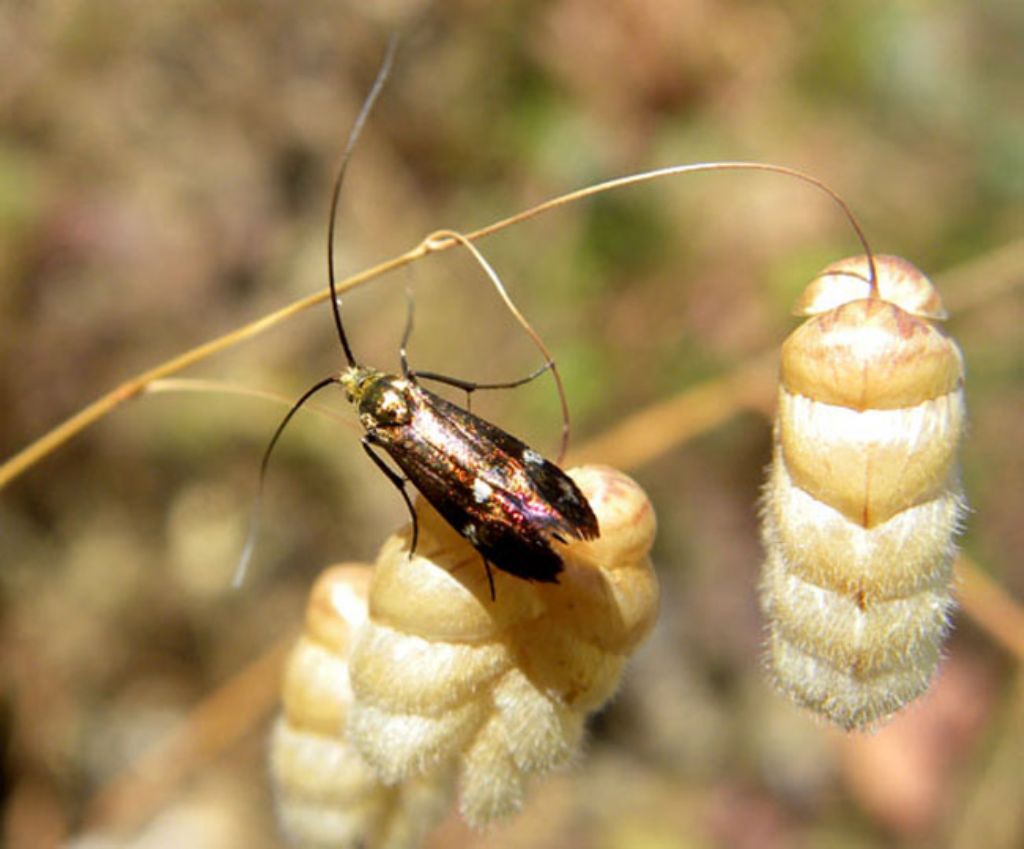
(164, 178)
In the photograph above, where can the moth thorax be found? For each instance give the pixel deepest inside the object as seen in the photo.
(383, 399)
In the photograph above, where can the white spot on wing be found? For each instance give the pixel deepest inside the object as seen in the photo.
(532, 458)
(469, 532)
(481, 491)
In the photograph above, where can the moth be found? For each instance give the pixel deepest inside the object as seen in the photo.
(506, 499)
(496, 491)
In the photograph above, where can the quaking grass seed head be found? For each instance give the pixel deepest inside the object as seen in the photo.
(863, 499)
(326, 795)
(444, 676)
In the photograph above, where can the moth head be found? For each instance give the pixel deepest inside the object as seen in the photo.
(353, 380)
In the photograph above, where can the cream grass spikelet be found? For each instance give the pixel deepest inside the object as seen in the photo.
(327, 796)
(501, 689)
(863, 498)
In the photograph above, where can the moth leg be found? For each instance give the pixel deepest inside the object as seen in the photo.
(490, 576)
(466, 385)
(399, 484)
(469, 387)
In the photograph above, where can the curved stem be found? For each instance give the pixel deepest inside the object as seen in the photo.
(34, 452)
(440, 240)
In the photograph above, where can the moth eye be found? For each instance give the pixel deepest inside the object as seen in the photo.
(863, 498)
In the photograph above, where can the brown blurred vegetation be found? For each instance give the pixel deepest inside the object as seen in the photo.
(164, 177)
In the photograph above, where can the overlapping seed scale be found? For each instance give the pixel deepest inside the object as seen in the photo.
(443, 673)
(863, 498)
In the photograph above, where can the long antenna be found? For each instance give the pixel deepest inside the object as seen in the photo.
(353, 137)
(254, 523)
(671, 170)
